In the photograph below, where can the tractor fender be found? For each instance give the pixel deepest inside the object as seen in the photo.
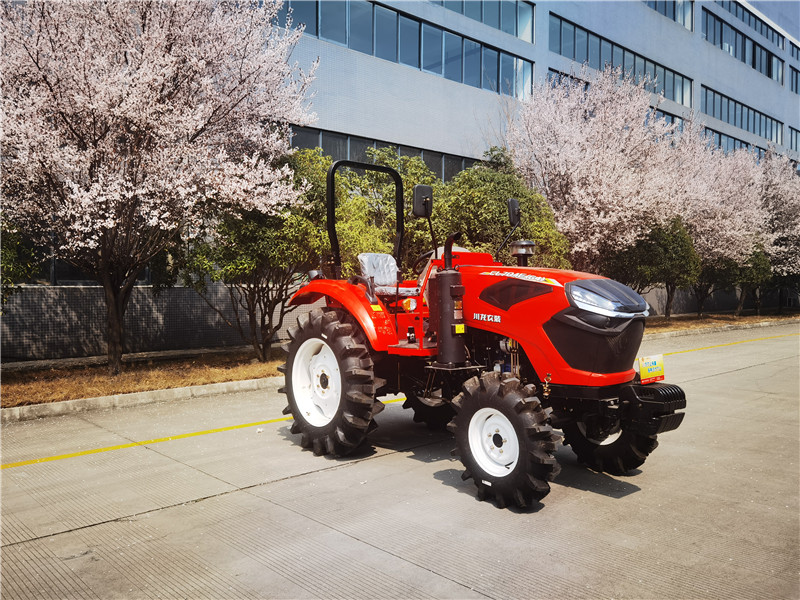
(373, 319)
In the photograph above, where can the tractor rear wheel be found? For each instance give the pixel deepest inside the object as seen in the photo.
(612, 449)
(330, 383)
(504, 440)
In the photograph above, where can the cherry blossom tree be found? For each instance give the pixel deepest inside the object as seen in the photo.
(127, 121)
(595, 153)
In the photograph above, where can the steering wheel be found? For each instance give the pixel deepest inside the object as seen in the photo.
(419, 264)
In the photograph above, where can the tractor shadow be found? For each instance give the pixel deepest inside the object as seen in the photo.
(397, 432)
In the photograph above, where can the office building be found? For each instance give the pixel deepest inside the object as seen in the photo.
(438, 78)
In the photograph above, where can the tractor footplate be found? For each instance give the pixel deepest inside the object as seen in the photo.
(650, 409)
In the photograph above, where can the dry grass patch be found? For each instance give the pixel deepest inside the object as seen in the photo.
(689, 322)
(54, 385)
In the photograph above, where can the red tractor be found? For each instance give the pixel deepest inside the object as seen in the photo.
(501, 355)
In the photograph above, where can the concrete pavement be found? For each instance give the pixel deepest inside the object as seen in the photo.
(213, 497)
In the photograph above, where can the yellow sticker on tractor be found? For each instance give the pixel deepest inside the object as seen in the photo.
(376, 307)
(651, 368)
(458, 328)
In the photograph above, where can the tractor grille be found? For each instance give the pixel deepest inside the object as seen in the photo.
(607, 346)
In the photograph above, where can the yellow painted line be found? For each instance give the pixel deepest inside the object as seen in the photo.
(773, 337)
(171, 438)
(183, 436)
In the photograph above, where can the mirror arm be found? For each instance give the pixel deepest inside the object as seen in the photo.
(505, 241)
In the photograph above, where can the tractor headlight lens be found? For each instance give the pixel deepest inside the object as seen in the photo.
(583, 296)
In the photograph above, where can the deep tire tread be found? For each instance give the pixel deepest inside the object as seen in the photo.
(528, 482)
(357, 406)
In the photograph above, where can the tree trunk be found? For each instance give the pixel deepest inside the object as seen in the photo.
(117, 297)
(702, 292)
(740, 305)
(670, 298)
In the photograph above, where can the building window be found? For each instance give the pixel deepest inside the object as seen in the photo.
(409, 42)
(679, 11)
(726, 38)
(333, 21)
(794, 139)
(361, 27)
(421, 45)
(794, 80)
(385, 33)
(728, 143)
(453, 52)
(510, 16)
(583, 46)
(795, 50)
(752, 21)
(431, 49)
(735, 113)
(340, 146)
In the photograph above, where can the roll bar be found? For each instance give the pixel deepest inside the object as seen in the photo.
(330, 197)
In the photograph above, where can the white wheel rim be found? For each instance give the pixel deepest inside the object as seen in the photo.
(493, 442)
(612, 437)
(316, 382)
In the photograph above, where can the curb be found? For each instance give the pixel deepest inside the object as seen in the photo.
(718, 328)
(53, 409)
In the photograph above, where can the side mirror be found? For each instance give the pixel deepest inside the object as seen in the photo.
(423, 201)
(513, 211)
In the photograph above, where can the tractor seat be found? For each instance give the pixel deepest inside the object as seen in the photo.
(383, 269)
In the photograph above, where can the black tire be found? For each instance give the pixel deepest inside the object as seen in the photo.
(329, 382)
(435, 417)
(616, 451)
(494, 413)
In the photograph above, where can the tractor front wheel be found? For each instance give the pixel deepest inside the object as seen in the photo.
(610, 449)
(504, 440)
(330, 383)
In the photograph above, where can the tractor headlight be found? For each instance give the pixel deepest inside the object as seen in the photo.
(606, 297)
(583, 297)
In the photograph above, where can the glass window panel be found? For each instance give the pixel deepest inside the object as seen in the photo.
(409, 151)
(628, 62)
(650, 70)
(605, 54)
(361, 26)
(434, 161)
(456, 5)
(737, 117)
(594, 51)
(472, 63)
(334, 145)
(659, 89)
(524, 78)
(567, 40)
(618, 57)
(452, 56)
(687, 92)
(385, 33)
(525, 22)
(333, 21)
(409, 42)
(305, 12)
(305, 137)
(678, 89)
(508, 16)
(669, 80)
(358, 148)
(472, 8)
(490, 64)
(431, 48)
(452, 166)
(555, 34)
(491, 13)
(639, 68)
(581, 40)
(507, 74)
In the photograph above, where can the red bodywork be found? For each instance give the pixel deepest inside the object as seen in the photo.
(522, 322)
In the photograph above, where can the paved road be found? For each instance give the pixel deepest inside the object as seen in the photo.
(236, 509)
